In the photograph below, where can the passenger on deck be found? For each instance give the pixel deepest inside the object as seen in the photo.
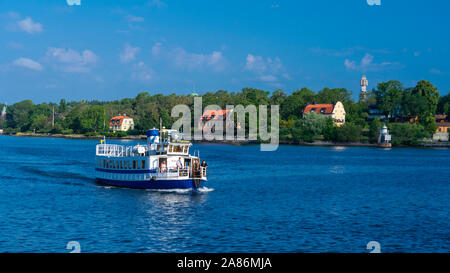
(163, 167)
(179, 164)
(204, 164)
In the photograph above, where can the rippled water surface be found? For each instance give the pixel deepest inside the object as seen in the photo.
(297, 199)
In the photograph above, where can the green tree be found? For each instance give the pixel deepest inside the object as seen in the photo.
(422, 101)
(92, 119)
(348, 132)
(374, 130)
(294, 104)
(389, 97)
(443, 106)
(407, 133)
(278, 97)
(309, 127)
(328, 95)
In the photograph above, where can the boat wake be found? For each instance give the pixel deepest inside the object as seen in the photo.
(182, 191)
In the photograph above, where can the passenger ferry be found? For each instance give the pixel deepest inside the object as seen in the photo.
(163, 162)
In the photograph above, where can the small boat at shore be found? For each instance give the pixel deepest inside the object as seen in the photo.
(163, 163)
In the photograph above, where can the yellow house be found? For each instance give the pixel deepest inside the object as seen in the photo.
(121, 123)
(442, 125)
(336, 111)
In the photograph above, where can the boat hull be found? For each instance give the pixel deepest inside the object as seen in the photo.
(153, 184)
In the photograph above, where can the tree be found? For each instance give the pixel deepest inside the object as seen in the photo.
(407, 133)
(374, 130)
(294, 104)
(92, 119)
(309, 127)
(328, 95)
(278, 97)
(443, 106)
(422, 101)
(348, 132)
(21, 112)
(39, 122)
(389, 97)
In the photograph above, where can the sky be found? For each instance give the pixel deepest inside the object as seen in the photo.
(109, 50)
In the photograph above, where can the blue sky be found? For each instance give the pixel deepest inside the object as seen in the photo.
(108, 50)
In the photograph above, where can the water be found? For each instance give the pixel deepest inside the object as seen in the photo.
(298, 199)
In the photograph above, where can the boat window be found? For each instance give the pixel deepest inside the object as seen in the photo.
(134, 164)
(143, 164)
(170, 148)
(121, 164)
(178, 149)
(186, 149)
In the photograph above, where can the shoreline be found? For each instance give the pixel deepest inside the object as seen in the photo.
(317, 143)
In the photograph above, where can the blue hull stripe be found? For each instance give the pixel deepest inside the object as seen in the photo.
(154, 185)
(125, 171)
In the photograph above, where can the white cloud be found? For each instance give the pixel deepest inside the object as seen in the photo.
(350, 65)
(15, 45)
(28, 63)
(345, 51)
(157, 3)
(29, 26)
(436, 71)
(267, 69)
(157, 49)
(268, 78)
(74, 2)
(129, 53)
(260, 65)
(367, 64)
(69, 60)
(132, 18)
(189, 61)
(142, 72)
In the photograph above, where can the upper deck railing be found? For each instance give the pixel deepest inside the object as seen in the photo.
(113, 150)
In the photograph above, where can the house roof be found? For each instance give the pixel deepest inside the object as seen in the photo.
(214, 114)
(319, 108)
(441, 116)
(118, 120)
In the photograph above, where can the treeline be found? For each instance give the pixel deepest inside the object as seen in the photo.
(92, 118)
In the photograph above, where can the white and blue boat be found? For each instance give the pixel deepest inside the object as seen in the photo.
(163, 163)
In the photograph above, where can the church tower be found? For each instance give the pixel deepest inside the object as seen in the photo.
(364, 84)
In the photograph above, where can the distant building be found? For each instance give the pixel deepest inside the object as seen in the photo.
(364, 83)
(3, 114)
(336, 111)
(375, 112)
(221, 115)
(121, 123)
(443, 128)
(442, 125)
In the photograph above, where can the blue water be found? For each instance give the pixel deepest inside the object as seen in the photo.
(298, 199)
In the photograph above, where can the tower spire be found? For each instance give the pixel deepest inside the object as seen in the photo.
(364, 83)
